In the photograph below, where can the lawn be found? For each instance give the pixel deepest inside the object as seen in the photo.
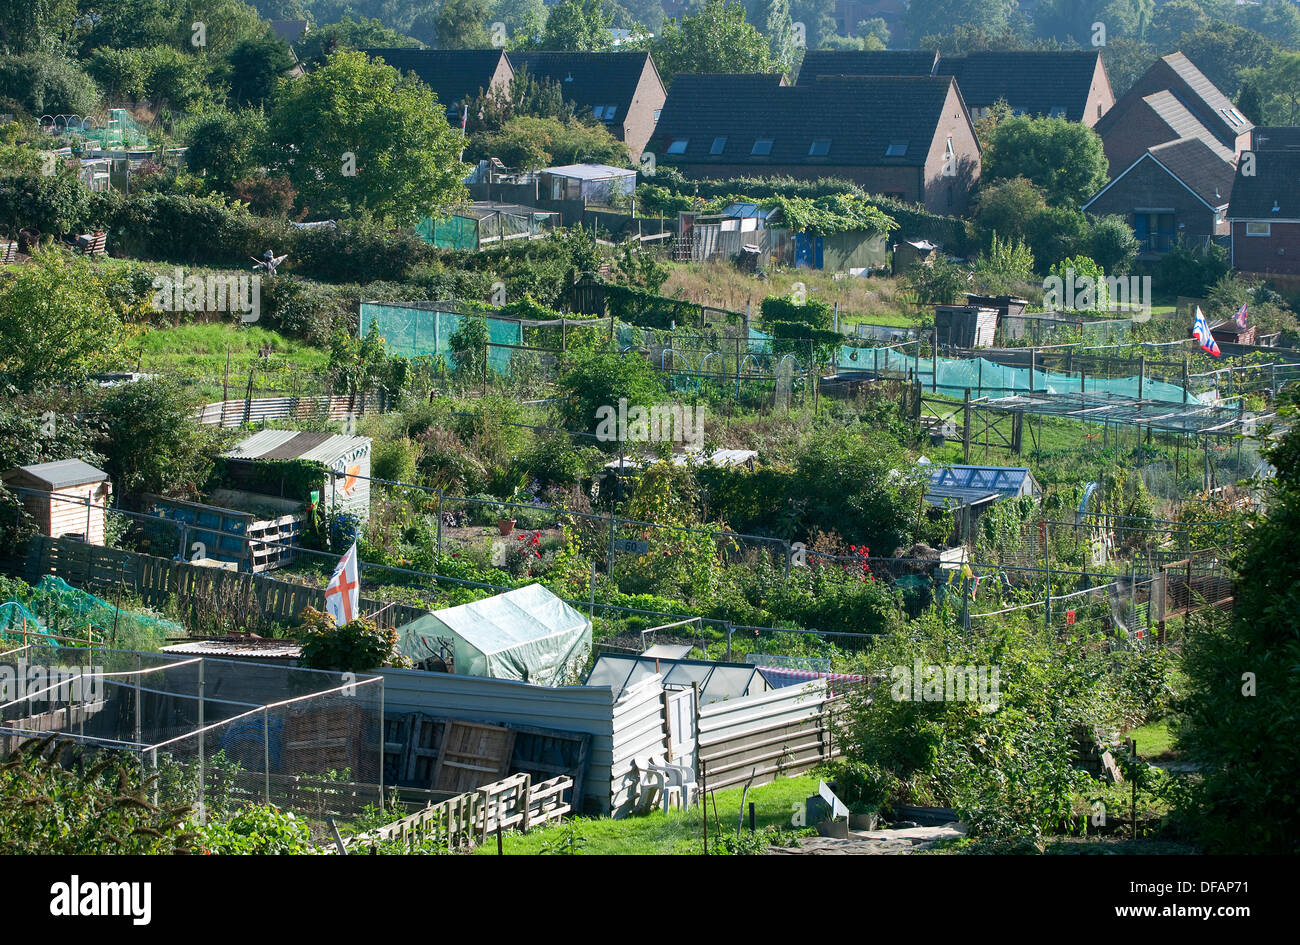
(1154, 741)
(197, 353)
(677, 832)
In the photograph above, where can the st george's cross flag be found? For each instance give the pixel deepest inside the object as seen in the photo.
(341, 591)
(1240, 317)
(1201, 332)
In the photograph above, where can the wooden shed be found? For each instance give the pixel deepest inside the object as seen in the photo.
(67, 498)
(965, 326)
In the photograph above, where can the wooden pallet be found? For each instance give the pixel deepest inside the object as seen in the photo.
(472, 754)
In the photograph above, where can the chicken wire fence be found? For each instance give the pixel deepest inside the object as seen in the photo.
(218, 734)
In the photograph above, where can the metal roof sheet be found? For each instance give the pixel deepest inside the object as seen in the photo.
(63, 473)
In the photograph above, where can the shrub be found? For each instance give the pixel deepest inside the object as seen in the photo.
(259, 830)
(353, 647)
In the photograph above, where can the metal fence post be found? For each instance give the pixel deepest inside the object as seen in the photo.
(202, 742)
(266, 753)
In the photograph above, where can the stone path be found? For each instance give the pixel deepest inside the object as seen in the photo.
(873, 842)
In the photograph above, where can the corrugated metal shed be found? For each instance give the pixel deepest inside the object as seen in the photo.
(348, 456)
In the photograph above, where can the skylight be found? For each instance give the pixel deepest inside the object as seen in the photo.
(820, 147)
(718, 145)
(762, 146)
(678, 146)
(896, 149)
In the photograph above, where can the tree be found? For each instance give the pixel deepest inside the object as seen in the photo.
(1176, 17)
(525, 21)
(578, 25)
(36, 26)
(717, 39)
(460, 24)
(779, 29)
(1007, 207)
(1279, 20)
(43, 82)
(601, 380)
(1242, 700)
(256, 67)
(926, 17)
(225, 24)
(1277, 88)
(1113, 244)
(528, 143)
(57, 325)
(224, 146)
(153, 443)
(123, 74)
(469, 348)
(1064, 158)
(1224, 52)
(318, 44)
(355, 137)
(1072, 20)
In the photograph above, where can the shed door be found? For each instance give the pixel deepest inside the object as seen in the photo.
(681, 726)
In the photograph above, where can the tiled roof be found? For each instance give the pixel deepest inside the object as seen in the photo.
(1275, 137)
(1182, 122)
(1202, 169)
(818, 62)
(589, 79)
(454, 74)
(858, 117)
(1276, 182)
(1035, 82)
(1174, 76)
(1219, 112)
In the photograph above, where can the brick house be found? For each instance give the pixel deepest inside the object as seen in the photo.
(455, 75)
(1070, 84)
(621, 89)
(1173, 99)
(1176, 192)
(1265, 213)
(907, 137)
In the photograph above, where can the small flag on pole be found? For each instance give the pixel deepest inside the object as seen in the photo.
(1240, 317)
(464, 118)
(1201, 332)
(341, 592)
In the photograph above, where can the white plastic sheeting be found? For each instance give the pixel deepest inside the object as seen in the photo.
(527, 634)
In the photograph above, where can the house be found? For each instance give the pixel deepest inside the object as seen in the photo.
(455, 75)
(1068, 84)
(902, 136)
(1173, 99)
(599, 184)
(66, 499)
(1275, 138)
(1264, 213)
(1176, 192)
(621, 89)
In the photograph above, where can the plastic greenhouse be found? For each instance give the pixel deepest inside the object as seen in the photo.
(527, 634)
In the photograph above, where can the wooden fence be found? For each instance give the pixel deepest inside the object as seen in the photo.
(157, 580)
(467, 820)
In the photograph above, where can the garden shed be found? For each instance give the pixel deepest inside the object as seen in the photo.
(527, 634)
(345, 489)
(67, 499)
(965, 326)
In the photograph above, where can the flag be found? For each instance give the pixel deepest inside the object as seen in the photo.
(464, 118)
(341, 591)
(1201, 332)
(1240, 317)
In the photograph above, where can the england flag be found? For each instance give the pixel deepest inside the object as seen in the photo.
(341, 592)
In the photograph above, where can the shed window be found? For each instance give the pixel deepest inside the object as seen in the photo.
(718, 145)
(820, 147)
(762, 146)
(678, 146)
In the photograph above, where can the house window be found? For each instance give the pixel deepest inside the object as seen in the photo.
(718, 145)
(1259, 229)
(605, 112)
(1100, 112)
(678, 146)
(896, 149)
(820, 147)
(762, 146)
(657, 111)
(949, 160)
(1058, 111)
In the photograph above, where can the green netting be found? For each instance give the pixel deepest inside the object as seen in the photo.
(424, 332)
(64, 610)
(19, 625)
(987, 378)
(453, 233)
(120, 130)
